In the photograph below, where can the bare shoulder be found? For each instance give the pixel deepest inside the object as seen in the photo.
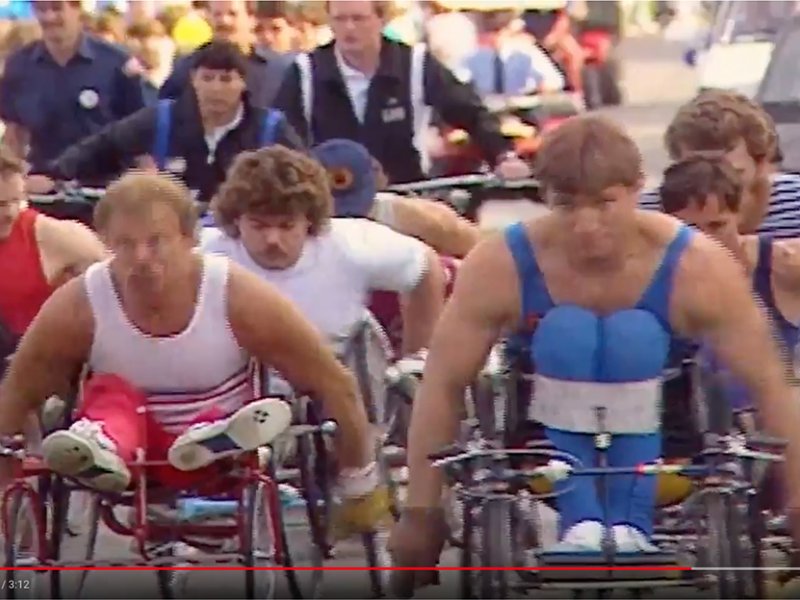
(65, 236)
(488, 280)
(709, 283)
(65, 324)
(786, 262)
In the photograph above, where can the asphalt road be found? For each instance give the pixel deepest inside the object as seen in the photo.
(656, 82)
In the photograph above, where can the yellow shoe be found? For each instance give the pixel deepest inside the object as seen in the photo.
(361, 514)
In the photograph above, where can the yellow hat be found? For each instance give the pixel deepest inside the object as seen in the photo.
(190, 32)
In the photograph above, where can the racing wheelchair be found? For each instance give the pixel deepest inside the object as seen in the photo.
(35, 513)
(710, 530)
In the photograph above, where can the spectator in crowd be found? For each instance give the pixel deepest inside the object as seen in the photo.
(274, 28)
(149, 43)
(66, 86)
(233, 20)
(109, 25)
(508, 64)
(211, 123)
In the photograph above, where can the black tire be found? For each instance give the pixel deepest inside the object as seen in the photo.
(20, 514)
(91, 543)
(725, 551)
(59, 502)
(495, 548)
(257, 536)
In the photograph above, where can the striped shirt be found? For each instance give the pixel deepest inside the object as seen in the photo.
(783, 216)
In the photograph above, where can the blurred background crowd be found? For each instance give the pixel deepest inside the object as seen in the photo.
(157, 32)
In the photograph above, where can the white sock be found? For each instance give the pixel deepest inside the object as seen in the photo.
(585, 533)
(358, 482)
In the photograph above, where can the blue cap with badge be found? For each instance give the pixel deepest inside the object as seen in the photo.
(352, 175)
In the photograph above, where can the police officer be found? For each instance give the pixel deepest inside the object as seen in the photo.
(382, 94)
(66, 86)
(195, 137)
(233, 20)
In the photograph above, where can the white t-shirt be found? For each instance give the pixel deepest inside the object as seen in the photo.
(337, 270)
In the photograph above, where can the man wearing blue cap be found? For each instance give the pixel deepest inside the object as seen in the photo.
(433, 222)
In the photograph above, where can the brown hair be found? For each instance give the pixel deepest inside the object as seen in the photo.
(717, 120)
(146, 28)
(385, 9)
(696, 178)
(588, 154)
(274, 181)
(10, 163)
(139, 190)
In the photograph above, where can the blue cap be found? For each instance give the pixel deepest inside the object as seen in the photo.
(352, 176)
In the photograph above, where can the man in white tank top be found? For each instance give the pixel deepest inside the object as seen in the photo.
(168, 335)
(274, 212)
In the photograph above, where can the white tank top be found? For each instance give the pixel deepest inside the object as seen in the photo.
(183, 375)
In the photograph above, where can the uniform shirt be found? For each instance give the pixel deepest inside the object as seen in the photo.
(200, 161)
(521, 71)
(265, 70)
(337, 270)
(783, 214)
(59, 106)
(391, 128)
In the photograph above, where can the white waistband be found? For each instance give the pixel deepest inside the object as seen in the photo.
(633, 407)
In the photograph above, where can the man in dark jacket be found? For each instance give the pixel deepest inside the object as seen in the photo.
(234, 21)
(382, 94)
(197, 136)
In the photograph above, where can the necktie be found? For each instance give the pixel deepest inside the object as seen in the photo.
(499, 74)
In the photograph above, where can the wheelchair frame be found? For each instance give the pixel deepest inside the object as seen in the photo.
(498, 532)
(309, 435)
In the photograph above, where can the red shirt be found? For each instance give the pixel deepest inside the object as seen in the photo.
(23, 285)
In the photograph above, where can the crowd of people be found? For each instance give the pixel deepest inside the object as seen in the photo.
(283, 145)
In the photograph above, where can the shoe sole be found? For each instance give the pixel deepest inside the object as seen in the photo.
(255, 425)
(71, 455)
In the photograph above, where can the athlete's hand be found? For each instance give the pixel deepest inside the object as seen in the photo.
(417, 540)
(146, 163)
(39, 184)
(513, 167)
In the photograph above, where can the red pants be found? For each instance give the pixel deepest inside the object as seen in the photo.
(117, 404)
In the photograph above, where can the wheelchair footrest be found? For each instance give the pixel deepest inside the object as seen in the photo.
(596, 566)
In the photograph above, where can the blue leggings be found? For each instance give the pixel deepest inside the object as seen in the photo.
(630, 499)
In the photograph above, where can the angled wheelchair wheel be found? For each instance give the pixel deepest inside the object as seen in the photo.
(725, 553)
(308, 547)
(24, 531)
(258, 542)
(92, 530)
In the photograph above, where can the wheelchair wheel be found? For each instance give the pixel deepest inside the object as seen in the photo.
(24, 530)
(91, 541)
(258, 541)
(487, 540)
(312, 464)
(725, 552)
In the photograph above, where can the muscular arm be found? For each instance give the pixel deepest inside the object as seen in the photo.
(67, 248)
(422, 306)
(49, 357)
(712, 300)
(470, 324)
(786, 264)
(434, 223)
(275, 333)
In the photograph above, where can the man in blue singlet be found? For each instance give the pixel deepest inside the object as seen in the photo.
(606, 287)
(706, 193)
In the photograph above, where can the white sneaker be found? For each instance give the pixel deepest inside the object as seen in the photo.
(252, 426)
(88, 455)
(586, 536)
(628, 539)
